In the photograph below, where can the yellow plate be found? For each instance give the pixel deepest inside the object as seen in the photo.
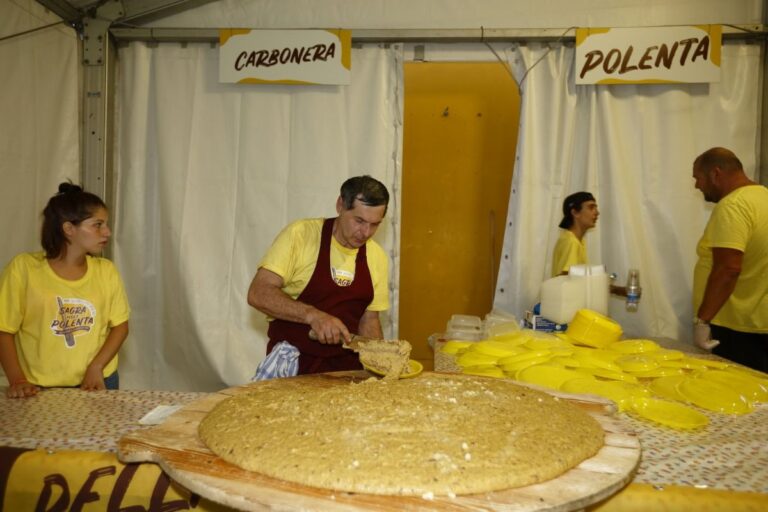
(666, 387)
(661, 371)
(496, 348)
(544, 375)
(608, 374)
(666, 354)
(749, 372)
(524, 356)
(511, 369)
(671, 414)
(471, 358)
(453, 346)
(592, 360)
(612, 390)
(637, 363)
(492, 371)
(633, 346)
(547, 343)
(688, 363)
(749, 388)
(711, 363)
(713, 396)
(414, 368)
(565, 361)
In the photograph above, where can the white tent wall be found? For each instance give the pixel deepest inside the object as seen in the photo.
(189, 218)
(632, 146)
(207, 174)
(38, 119)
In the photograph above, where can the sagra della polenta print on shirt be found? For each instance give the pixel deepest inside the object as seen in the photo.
(60, 325)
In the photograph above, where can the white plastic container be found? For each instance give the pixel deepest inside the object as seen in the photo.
(585, 287)
(464, 327)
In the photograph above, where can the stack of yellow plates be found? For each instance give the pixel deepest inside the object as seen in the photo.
(593, 329)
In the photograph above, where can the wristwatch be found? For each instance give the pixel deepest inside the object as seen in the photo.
(699, 321)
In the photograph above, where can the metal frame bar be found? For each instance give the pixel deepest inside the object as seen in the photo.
(762, 154)
(476, 35)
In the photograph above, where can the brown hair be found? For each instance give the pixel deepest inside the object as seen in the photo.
(70, 204)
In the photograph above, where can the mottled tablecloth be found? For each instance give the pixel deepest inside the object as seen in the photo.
(71, 419)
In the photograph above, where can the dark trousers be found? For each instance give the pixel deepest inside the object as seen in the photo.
(747, 348)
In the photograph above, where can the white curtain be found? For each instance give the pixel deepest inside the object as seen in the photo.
(632, 146)
(39, 129)
(207, 175)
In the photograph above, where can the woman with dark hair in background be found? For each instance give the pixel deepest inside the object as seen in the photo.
(63, 311)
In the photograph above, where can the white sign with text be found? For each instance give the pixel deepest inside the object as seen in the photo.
(285, 56)
(648, 55)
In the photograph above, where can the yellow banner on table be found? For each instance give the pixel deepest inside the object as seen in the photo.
(77, 480)
(648, 55)
(285, 56)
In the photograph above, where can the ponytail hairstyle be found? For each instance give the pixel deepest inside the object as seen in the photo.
(70, 204)
(573, 202)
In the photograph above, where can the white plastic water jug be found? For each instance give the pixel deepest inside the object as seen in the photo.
(585, 287)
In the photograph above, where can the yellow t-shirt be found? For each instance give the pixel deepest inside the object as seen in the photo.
(60, 325)
(738, 221)
(293, 256)
(569, 251)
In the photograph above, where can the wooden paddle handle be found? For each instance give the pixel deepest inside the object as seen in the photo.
(352, 345)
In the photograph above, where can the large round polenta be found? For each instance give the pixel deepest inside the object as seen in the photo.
(435, 434)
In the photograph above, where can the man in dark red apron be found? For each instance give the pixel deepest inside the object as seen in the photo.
(329, 276)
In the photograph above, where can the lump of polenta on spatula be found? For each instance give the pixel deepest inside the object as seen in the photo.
(387, 357)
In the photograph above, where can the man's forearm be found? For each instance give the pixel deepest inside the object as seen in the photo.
(278, 304)
(720, 286)
(370, 325)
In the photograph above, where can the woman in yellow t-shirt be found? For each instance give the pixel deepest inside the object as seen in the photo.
(63, 312)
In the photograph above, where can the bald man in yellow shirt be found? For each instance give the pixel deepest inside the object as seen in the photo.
(730, 282)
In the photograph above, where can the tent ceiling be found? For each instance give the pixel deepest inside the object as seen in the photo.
(126, 18)
(136, 12)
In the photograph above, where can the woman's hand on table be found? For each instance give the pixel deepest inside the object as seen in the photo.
(94, 379)
(21, 389)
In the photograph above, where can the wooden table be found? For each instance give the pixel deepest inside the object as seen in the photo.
(176, 446)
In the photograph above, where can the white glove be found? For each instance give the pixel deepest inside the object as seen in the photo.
(702, 336)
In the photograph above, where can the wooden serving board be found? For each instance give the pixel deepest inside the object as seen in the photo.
(176, 447)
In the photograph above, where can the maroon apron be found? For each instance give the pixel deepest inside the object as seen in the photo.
(347, 303)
